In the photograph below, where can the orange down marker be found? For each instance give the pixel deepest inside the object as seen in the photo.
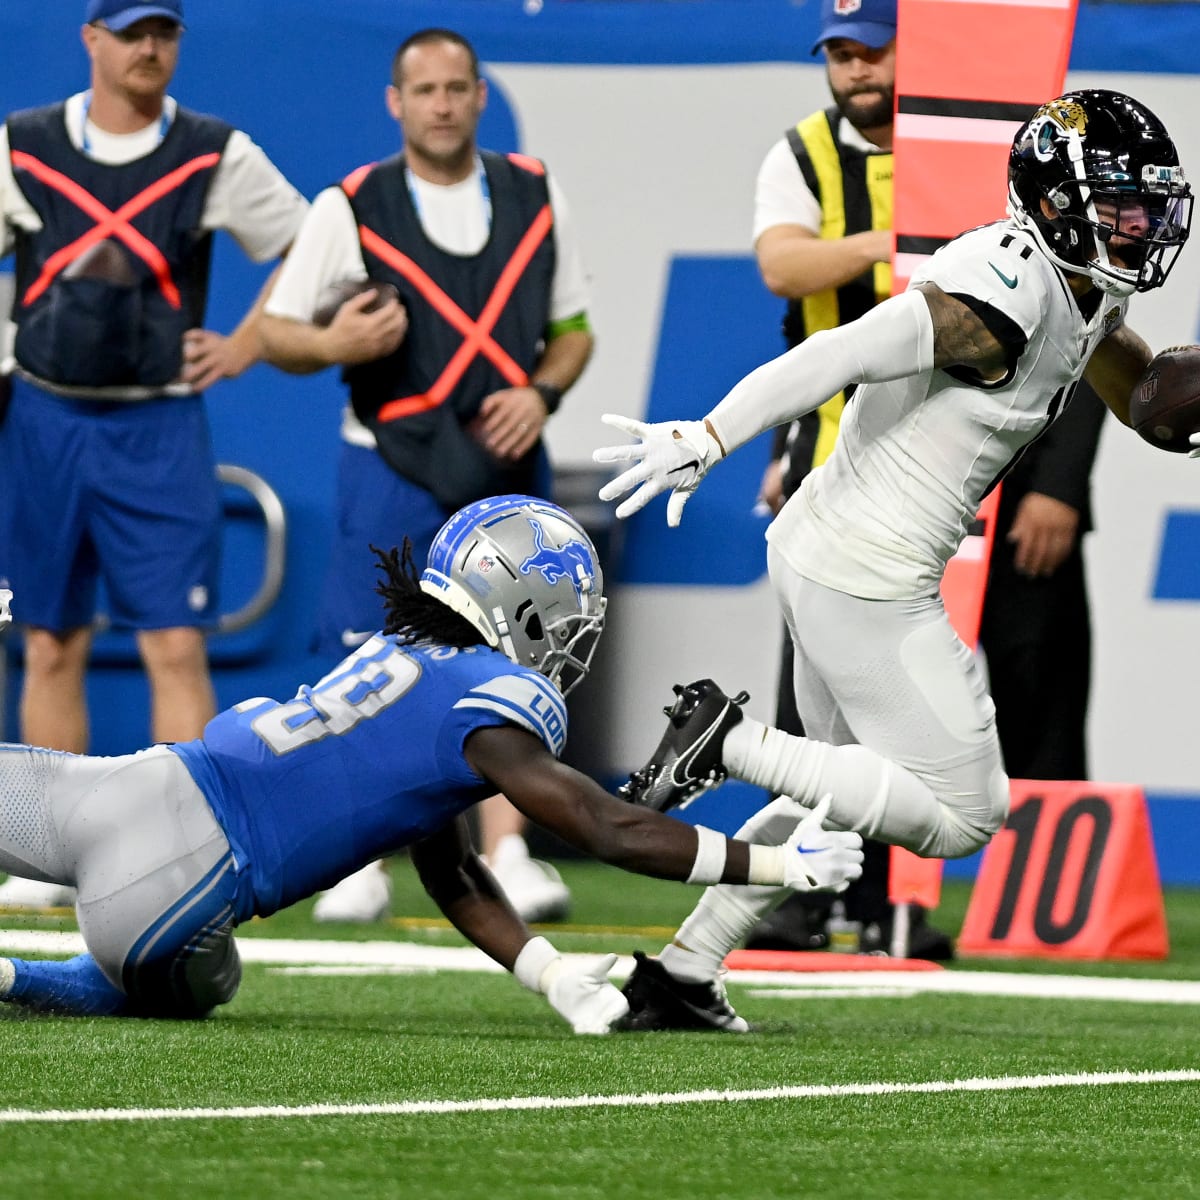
(1071, 875)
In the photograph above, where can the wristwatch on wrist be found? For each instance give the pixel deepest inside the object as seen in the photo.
(551, 395)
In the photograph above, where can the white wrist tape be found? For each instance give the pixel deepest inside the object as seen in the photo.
(710, 856)
(538, 958)
(891, 341)
(766, 865)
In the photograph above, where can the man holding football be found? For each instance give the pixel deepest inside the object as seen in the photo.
(452, 385)
(954, 378)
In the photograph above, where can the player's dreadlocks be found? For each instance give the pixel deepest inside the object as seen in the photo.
(410, 612)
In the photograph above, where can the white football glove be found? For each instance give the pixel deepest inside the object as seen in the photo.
(579, 992)
(5, 611)
(822, 859)
(1194, 452)
(583, 996)
(672, 455)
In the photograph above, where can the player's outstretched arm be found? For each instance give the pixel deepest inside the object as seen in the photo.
(893, 340)
(464, 889)
(584, 815)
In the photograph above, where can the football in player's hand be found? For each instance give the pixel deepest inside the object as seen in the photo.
(1165, 405)
(335, 294)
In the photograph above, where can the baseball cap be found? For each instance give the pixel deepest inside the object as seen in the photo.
(120, 14)
(872, 22)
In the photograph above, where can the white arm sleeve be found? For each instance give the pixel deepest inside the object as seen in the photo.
(892, 341)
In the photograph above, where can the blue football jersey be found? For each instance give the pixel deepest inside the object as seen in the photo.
(366, 761)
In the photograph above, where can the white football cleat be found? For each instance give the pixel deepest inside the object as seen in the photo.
(5, 611)
(361, 898)
(534, 888)
(35, 895)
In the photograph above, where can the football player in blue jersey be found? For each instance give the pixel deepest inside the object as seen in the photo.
(461, 695)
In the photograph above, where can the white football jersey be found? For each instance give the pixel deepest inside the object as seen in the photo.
(915, 456)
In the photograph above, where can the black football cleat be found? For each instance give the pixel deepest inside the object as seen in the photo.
(688, 759)
(658, 1001)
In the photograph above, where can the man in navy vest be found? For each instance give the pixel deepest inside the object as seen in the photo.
(109, 200)
(452, 384)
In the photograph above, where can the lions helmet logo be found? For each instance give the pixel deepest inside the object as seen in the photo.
(555, 564)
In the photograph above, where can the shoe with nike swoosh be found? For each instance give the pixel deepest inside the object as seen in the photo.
(688, 758)
(658, 1001)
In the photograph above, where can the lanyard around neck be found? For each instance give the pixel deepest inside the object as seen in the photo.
(86, 142)
(484, 190)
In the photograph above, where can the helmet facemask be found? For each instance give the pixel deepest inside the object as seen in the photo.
(1126, 240)
(564, 646)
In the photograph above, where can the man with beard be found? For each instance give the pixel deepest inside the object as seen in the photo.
(955, 378)
(822, 237)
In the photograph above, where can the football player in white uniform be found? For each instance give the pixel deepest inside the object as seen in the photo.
(954, 378)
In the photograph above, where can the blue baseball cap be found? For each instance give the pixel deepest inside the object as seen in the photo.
(120, 14)
(872, 22)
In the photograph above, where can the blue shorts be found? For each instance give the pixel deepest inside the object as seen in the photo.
(376, 506)
(121, 492)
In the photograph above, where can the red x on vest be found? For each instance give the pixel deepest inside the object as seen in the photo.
(477, 334)
(109, 223)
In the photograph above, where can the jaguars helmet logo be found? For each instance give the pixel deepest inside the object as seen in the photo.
(1052, 123)
(1066, 114)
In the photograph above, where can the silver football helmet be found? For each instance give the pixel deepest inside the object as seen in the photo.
(526, 575)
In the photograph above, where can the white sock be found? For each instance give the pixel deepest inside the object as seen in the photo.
(781, 762)
(509, 850)
(871, 795)
(727, 912)
(720, 921)
(8, 976)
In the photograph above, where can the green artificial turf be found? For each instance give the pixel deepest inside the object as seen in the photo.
(291, 1039)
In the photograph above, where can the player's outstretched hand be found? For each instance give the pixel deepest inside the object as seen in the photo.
(583, 996)
(822, 859)
(671, 455)
(1194, 452)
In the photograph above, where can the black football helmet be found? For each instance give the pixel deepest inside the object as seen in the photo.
(1107, 170)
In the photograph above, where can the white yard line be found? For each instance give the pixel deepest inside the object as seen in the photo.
(388, 957)
(642, 1100)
